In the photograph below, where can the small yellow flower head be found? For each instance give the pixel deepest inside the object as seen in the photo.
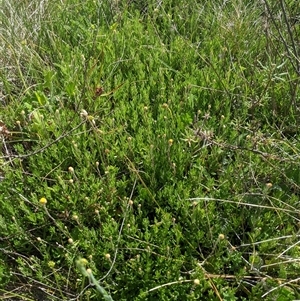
(43, 201)
(107, 256)
(70, 241)
(221, 236)
(196, 281)
(51, 264)
(165, 105)
(170, 141)
(71, 169)
(83, 261)
(75, 217)
(89, 271)
(269, 185)
(130, 202)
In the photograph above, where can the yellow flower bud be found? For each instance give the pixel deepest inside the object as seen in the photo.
(43, 201)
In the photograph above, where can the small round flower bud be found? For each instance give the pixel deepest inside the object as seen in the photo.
(269, 185)
(221, 236)
(51, 264)
(83, 261)
(43, 201)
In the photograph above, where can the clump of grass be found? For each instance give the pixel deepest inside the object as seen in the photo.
(155, 141)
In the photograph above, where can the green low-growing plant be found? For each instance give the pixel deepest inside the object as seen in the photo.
(157, 140)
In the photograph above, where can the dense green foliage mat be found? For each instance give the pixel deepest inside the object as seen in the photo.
(149, 150)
